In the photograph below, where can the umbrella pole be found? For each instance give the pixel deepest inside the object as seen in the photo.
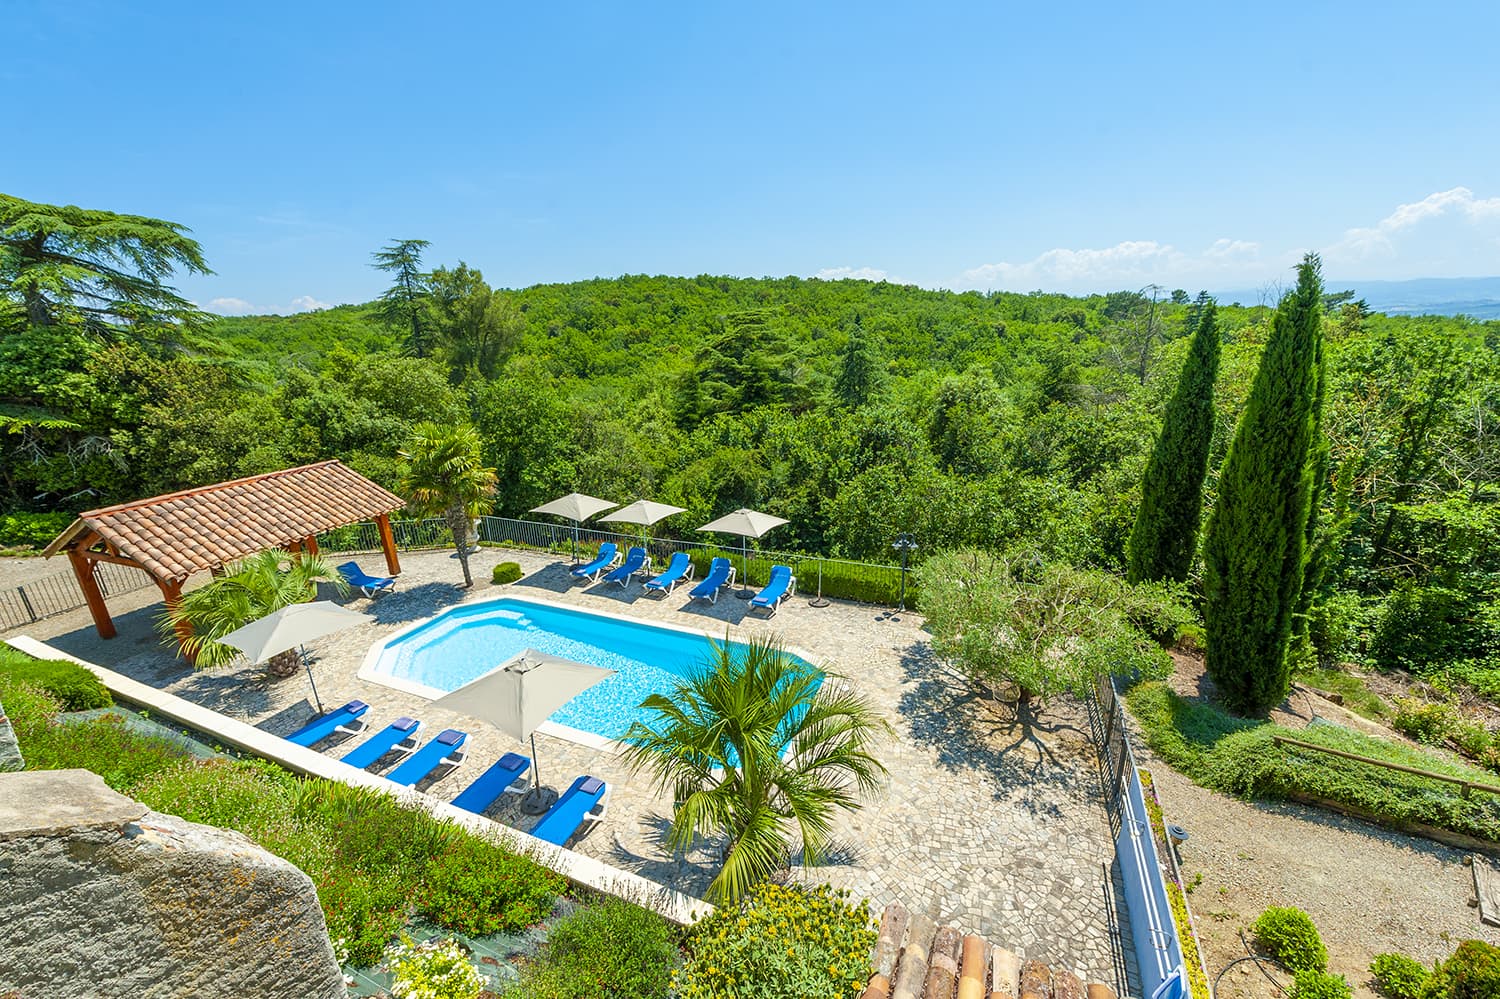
(538, 799)
(744, 592)
(307, 665)
(575, 551)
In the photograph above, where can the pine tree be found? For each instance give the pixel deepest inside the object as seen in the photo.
(1255, 551)
(861, 369)
(1165, 536)
(404, 304)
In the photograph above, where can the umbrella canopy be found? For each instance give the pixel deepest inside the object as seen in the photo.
(291, 627)
(747, 524)
(576, 507)
(519, 695)
(644, 512)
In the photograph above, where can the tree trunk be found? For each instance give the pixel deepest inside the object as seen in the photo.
(284, 664)
(458, 523)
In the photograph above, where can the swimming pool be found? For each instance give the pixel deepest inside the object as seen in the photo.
(447, 651)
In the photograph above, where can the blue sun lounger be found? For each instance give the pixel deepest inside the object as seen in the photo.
(584, 801)
(345, 719)
(443, 749)
(781, 585)
(368, 585)
(636, 561)
(720, 575)
(504, 777)
(680, 568)
(608, 552)
(400, 735)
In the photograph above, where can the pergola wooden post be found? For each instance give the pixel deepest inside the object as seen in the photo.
(171, 591)
(388, 544)
(83, 569)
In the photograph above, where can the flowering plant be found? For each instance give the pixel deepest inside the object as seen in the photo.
(437, 969)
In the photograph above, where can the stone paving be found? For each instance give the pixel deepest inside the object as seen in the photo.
(985, 822)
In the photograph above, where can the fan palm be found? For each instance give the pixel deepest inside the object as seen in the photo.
(756, 746)
(261, 584)
(444, 476)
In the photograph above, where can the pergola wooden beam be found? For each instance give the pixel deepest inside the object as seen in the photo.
(83, 569)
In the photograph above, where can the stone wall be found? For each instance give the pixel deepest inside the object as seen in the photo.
(101, 898)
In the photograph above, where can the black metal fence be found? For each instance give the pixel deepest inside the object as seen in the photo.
(59, 593)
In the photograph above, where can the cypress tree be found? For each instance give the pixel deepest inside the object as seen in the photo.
(1255, 550)
(1165, 536)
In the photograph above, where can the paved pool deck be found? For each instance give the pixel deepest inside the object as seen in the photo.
(985, 823)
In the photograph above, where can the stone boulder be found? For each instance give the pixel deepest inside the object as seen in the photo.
(101, 898)
(10, 750)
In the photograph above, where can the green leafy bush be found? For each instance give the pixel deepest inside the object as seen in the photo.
(438, 969)
(1310, 984)
(1425, 721)
(1422, 628)
(478, 887)
(75, 686)
(612, 949)
(1239, 756)
(1399, 976)
(1473, 972)
(1288, 935)
(780, 942)
(30, 708)
(31, 530)
(106, 745)
(506, 572)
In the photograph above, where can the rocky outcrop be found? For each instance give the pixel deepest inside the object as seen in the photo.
(102, 898)
(10, 751)
(917, 959)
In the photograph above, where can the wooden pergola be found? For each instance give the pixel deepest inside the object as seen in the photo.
(172, 537)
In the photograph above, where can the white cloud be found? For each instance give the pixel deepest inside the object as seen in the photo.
(853, 273)
(1446, 234)
(230, 306)
(1446, 229)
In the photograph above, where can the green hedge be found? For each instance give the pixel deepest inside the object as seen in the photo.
(841, 580)
(77, 688)
(506, 572)
(1237, 756)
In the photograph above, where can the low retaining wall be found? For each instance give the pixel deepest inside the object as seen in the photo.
(585, 872)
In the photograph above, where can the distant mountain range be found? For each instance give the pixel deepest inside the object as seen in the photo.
(1477, 297)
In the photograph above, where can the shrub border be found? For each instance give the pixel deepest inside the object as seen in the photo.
(581, 871)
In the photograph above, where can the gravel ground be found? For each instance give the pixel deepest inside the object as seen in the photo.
(1369, 890)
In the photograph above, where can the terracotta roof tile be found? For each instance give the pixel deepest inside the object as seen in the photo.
(176, 535)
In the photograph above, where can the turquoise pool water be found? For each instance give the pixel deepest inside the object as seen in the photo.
(463, 644)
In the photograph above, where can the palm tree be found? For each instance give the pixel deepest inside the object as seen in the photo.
(754, 745)
(259, 585)
(445, 477)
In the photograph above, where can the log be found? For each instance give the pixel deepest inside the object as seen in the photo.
(888, 943)
(1005, 969)
(942, 964)
(911, 971)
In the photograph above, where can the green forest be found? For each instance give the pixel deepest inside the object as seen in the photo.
(856, 410)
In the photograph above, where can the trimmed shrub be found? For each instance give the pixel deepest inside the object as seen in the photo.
(1288, 935)
(780, 942)
(1399, 976)
(1310, 984)
(612, 949)
(1473, 972)
(1425, 721)
(506, 572)
(76, 687)
(477, 888)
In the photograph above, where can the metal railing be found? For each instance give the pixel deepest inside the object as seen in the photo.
(869, 582)
(59, 593)
(1158, 948)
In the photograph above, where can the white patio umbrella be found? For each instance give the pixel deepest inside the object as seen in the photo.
(576, 507)
(292, 627)
(518, 696)
(747, 524)
(643, 512)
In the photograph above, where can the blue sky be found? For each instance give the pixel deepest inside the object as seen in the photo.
(1016, 146)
